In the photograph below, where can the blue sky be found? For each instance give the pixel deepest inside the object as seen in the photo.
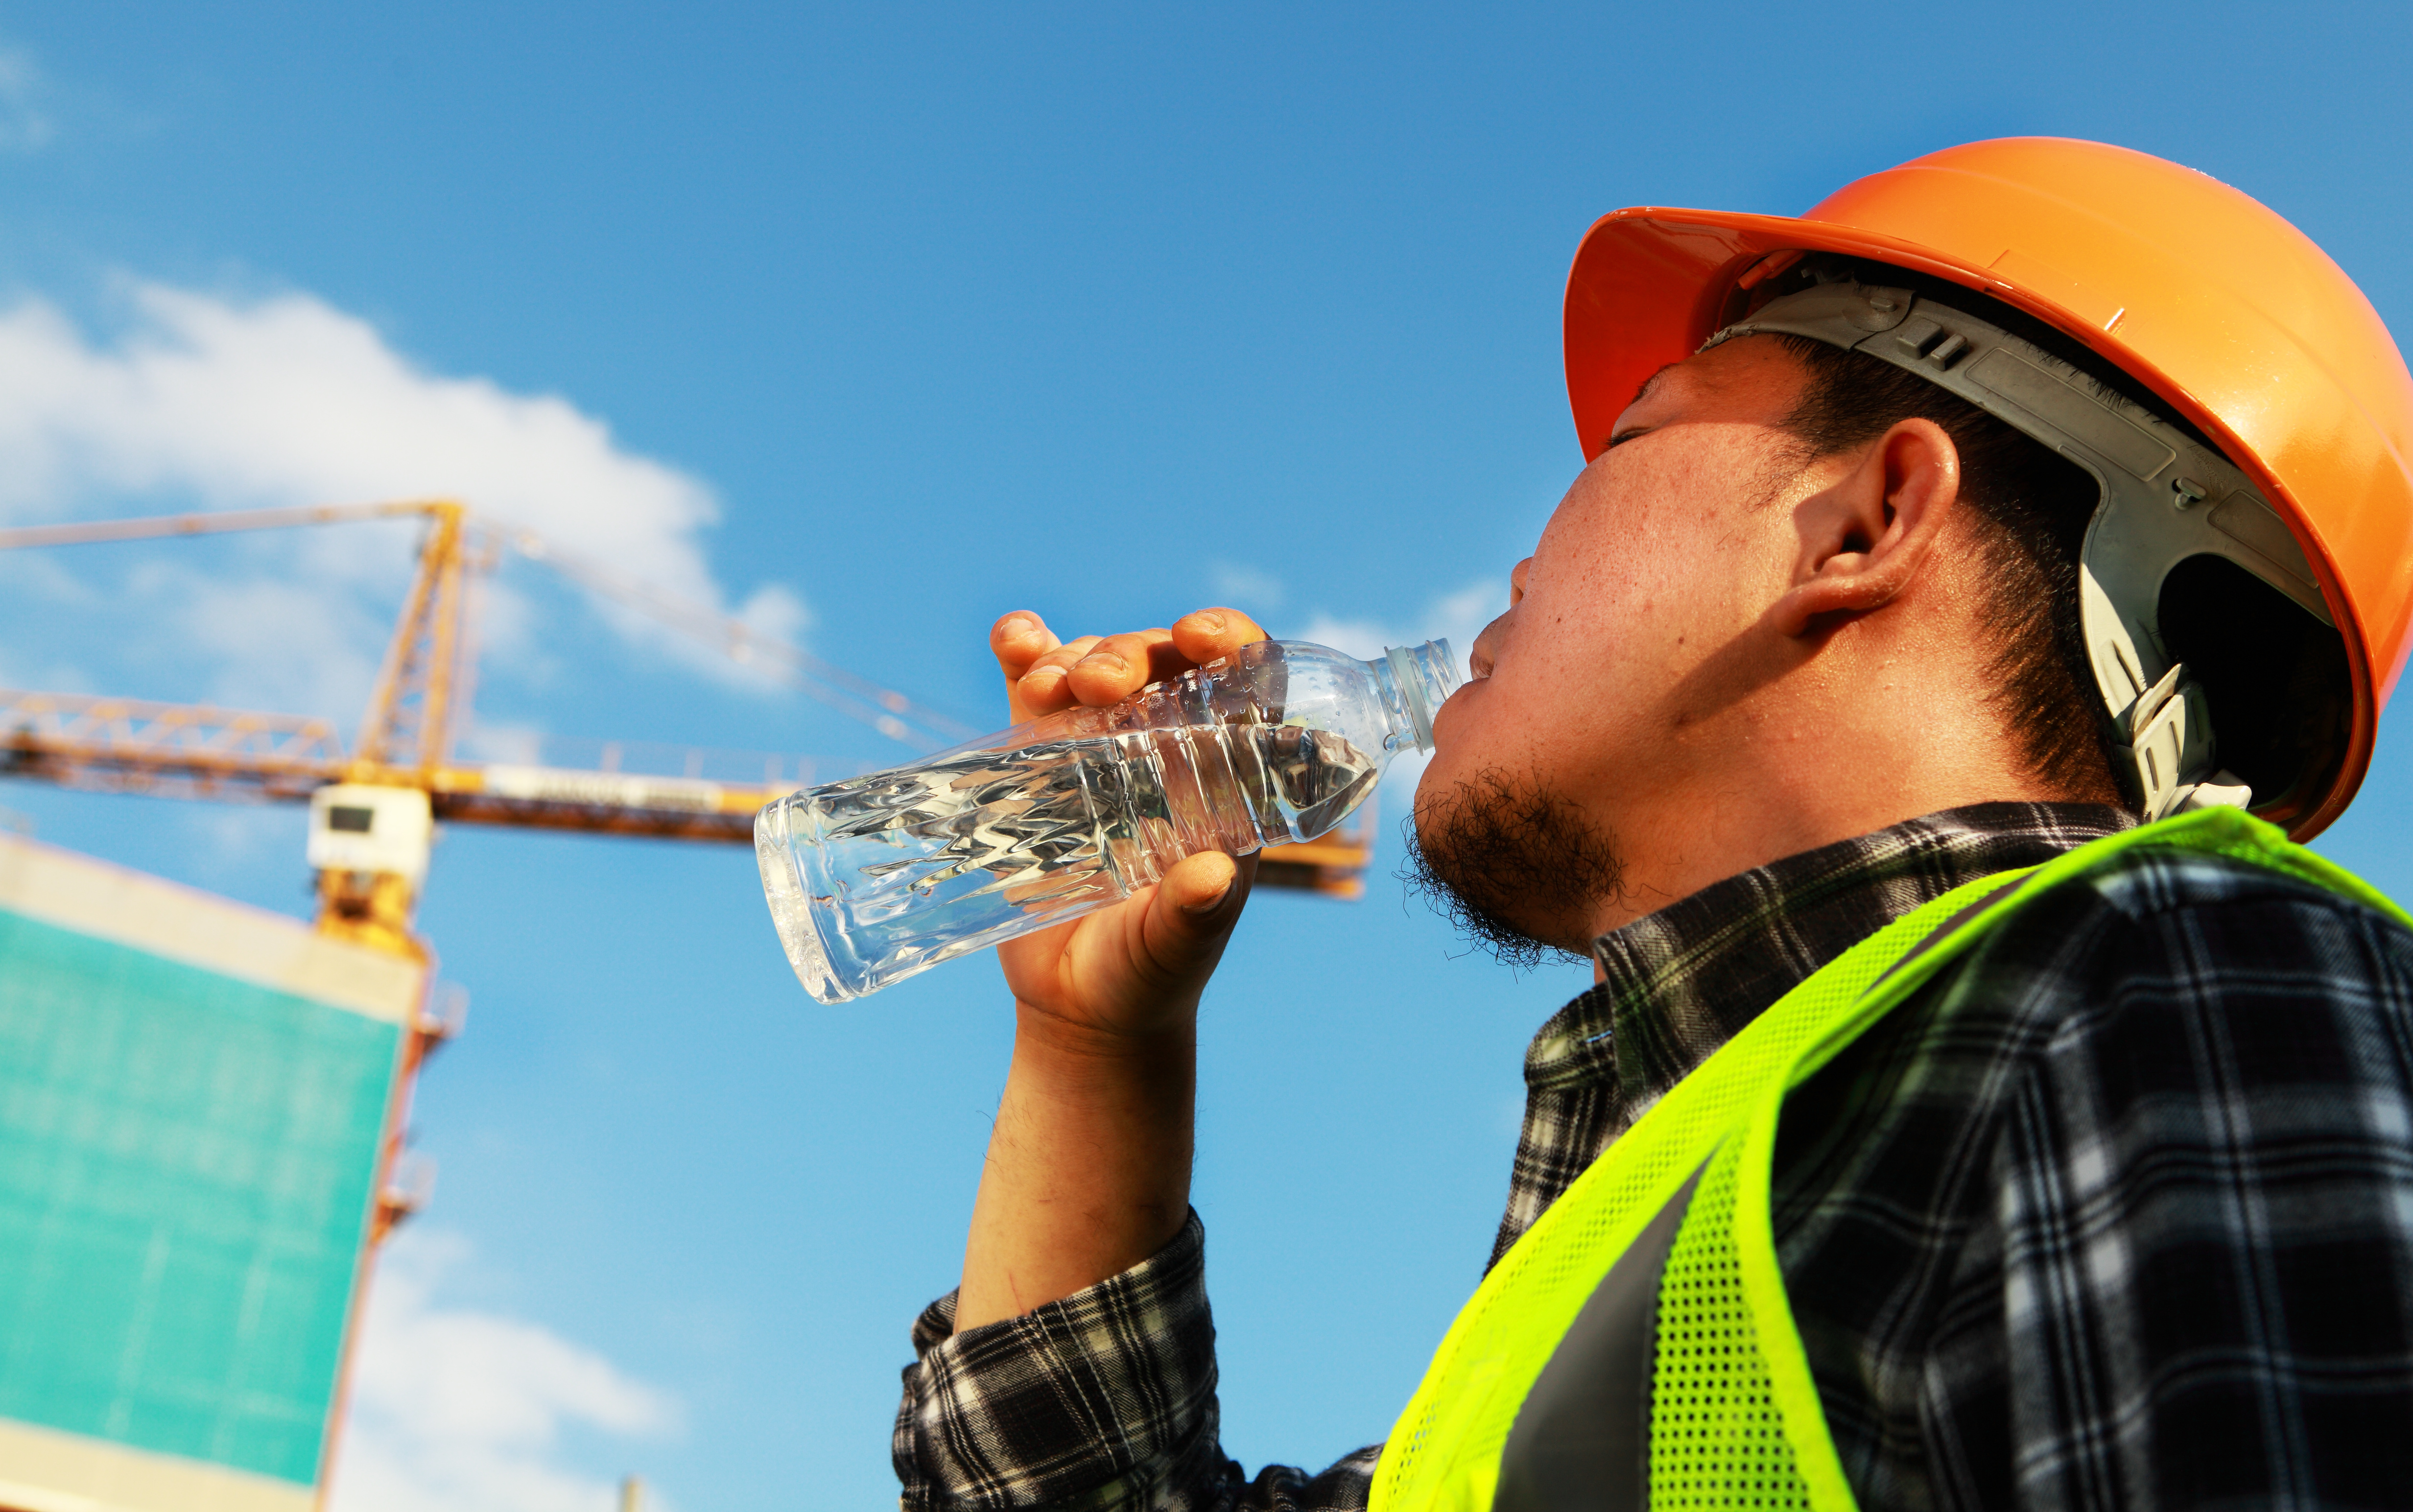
(870, 325)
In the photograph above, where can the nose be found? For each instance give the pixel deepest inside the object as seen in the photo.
(1516, 581)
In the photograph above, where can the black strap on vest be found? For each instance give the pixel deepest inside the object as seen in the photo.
(1581, 1442)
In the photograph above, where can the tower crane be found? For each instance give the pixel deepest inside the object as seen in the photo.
(374, 806)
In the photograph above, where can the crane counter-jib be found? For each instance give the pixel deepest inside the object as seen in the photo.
(528, 797)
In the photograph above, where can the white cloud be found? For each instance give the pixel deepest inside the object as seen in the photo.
(251, 629)
(24, 125)
(1252, 588)
(454, 1410)
(774, 611)
(213, 403)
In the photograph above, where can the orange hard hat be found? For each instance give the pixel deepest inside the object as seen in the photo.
(2226, 313)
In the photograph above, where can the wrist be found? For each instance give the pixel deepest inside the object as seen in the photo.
(1167, 1034)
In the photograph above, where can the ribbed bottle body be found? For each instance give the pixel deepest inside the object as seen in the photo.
(876, 878)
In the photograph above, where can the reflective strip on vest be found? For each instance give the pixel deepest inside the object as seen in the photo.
(1634, 1347)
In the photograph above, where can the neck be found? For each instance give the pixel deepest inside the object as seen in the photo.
(1789, 776)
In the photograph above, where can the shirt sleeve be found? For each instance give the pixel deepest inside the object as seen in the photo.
(2205, 1197)
(1103, 1401)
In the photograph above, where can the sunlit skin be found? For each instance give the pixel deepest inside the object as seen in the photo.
(1719, 656)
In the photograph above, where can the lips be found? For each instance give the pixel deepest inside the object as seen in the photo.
(1442, 718)
(1485, 656)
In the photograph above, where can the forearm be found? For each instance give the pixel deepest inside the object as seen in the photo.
(1089, 1163)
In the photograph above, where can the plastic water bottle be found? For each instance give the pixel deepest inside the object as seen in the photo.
(876, 878)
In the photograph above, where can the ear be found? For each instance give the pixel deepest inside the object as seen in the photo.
(1866, 539)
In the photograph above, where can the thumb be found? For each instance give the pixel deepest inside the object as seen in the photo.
(1193, 914)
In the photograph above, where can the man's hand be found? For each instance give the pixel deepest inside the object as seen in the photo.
(1088, 1166)
(1138, 968)
(1043, 674)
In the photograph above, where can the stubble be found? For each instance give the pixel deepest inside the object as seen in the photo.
(1514, 865)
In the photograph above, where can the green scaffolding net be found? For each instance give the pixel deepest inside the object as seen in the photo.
(186, 1163)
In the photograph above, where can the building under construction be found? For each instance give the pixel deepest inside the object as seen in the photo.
(197, 1104)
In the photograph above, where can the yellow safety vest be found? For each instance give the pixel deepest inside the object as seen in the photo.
(1658, 1265)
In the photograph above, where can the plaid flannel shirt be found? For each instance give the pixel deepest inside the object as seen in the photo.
(2116, 1211)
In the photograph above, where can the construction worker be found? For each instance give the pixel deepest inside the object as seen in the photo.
(1973, 585)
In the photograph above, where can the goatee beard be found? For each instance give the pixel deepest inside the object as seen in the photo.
(1514, 866)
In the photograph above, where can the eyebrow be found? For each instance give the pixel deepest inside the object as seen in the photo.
(1649, 383)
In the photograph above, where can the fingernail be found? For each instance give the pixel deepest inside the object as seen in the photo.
(1210, 623)
(1108, 662)
(1210, 904)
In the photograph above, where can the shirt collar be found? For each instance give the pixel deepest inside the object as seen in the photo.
(1681, 982)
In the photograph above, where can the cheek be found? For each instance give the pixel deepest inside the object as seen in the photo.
(1602, 644)
(1606, 619)
(1549, 701)
(1637, 579)
(1622, 548)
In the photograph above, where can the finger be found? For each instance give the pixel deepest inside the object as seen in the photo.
(1193, 914)
(1121, 666)
(1042, 688)
(1019, 639)
(1210, 633)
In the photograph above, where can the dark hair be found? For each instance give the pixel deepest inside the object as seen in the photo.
(2032, 508)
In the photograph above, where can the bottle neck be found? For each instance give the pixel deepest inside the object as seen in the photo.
(1414, 681)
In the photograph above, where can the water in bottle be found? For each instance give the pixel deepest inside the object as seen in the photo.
(873, 879)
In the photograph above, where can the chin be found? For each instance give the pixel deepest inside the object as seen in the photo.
(1437, 787)
(1509, 860)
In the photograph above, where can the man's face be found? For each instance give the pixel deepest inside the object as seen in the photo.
(1599, 688)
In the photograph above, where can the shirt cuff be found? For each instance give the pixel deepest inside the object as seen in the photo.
(1103, 1400)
